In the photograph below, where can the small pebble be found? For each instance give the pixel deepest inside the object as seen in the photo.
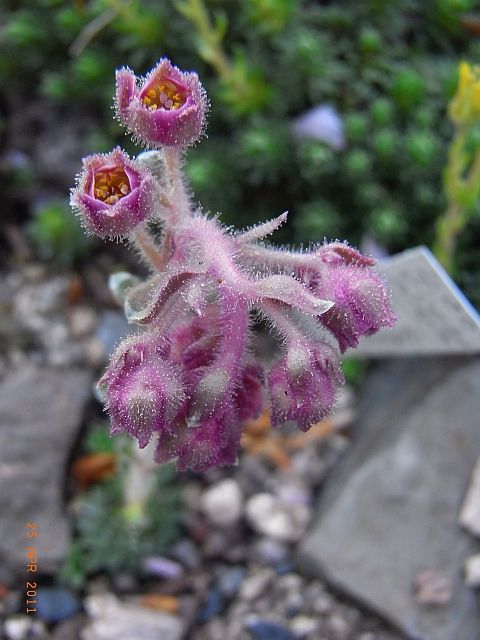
(269, 551)
(261, 629)
(268, 515)
(125, 582)
(214, 605)
(433, 587)
(222, 503)
(17, 628)
(70, 629)
(82, 321)
(162, 567)
(338, 626)
(230, 580)
(254, 585)
(472, 571)
(216, 544)
(290, 582)
(160, 602)
(186, 552)
(303, 626)
(293, 603)
(56, 604)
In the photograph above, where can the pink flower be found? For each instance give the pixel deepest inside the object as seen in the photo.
(167, 108)
(321, 123)
(192, 378)
(113, 194)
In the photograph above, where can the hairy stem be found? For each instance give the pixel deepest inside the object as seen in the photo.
(178, 195)
(448, 229)
(276, 313)
(211, 49)
(145, 244)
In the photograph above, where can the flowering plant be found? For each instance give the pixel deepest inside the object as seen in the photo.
(461, 176)
(189, 376)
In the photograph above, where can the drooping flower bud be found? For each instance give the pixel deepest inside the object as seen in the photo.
(166, 108)
(212, 442)
(303, 384)
(362, 304)
(113, 194)
(144, 391)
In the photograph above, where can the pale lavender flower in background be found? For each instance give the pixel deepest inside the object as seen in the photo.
(321, 123)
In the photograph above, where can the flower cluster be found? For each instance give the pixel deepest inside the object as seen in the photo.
(189, 377)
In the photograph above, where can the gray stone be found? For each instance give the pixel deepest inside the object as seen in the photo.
(472, 571)
(112, 619)
(469, 516)
(391, 510)
(40, 414)
(112, 329)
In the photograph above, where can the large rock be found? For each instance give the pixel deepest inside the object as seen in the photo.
(391, 511)
(40, 414)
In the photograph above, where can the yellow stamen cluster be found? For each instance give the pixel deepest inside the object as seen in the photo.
(111, 185)
(163, 95)
(465, 105)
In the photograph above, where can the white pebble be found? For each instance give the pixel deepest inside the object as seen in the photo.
(222, 503)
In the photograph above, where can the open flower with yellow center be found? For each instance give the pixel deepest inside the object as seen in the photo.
(166, 108)
(465, 105)
(113, 194)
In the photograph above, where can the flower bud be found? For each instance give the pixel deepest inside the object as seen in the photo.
(144, 390)
(113, 194)
(362, 304)
(309, 397)
(167, 108)
(213, 442)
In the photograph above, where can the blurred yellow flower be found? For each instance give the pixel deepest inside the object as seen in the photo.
(465, 105)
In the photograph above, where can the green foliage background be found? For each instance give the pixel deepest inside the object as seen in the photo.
(389, 68)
